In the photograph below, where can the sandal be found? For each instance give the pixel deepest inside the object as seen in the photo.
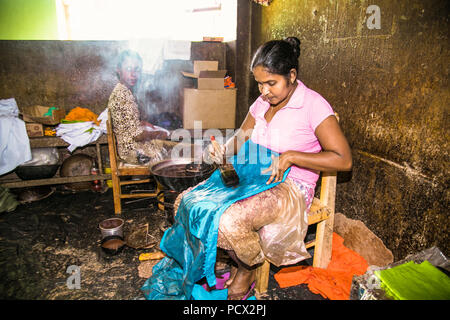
(230, 279)
(241, 295)
(220, 282)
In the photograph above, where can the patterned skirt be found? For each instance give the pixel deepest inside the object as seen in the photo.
(270, 225)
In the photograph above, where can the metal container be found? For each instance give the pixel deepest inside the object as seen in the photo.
(112, 245)
(33, 172)
(180, 174)
(111, 227)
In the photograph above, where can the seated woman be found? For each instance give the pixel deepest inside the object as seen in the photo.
(135, 143)
(300, 125)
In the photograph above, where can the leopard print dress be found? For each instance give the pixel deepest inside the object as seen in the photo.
(126, 124)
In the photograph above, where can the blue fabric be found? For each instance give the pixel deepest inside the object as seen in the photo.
(200, 293)
(190, 244)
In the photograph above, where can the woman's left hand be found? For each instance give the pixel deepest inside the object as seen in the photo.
(278, 166)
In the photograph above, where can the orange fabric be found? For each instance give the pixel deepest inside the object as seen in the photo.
(334, 282)
(82, 114)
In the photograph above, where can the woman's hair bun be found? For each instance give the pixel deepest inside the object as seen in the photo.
(295, 44)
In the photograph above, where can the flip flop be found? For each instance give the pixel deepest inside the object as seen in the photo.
(225, 284)
(244, 294)
(220, 282)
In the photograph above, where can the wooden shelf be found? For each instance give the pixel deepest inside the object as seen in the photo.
(51, 181)
(44, 142)
(48, 142)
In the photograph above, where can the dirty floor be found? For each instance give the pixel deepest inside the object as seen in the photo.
(41, 240)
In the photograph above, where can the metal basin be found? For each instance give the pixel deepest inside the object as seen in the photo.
(37, 172)
(182, 173)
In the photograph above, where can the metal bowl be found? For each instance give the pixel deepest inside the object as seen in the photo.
(180, 174)
(37, 172)
(112, 245)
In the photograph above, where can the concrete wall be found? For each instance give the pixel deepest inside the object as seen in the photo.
(390, 87)
(68, 74)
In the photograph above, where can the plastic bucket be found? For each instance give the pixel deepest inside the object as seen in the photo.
(111, 227)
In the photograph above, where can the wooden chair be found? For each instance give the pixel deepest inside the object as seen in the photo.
(121, 169)
(320, 213)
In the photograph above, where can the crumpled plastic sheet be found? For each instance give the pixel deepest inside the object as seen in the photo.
(8, 201)
(367, 286)
(191, 243)
(14, 142)
(43, 156)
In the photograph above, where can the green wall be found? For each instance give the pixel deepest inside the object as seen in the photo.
(28, 20)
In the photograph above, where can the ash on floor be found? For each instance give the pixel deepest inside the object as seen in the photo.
(42, 241)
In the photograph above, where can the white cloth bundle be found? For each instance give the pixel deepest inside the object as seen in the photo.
(79, 134)
(14, 142)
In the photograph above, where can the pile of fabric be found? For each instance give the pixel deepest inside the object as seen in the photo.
(334, 282)
(81, 126)
(414, 281)
(8, 201)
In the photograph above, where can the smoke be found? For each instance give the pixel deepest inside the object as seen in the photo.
(161, 85)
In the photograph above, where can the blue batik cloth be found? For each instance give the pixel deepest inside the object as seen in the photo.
(190, 244)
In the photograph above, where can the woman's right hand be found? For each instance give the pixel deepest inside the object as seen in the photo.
(151, 135)
(210, 155)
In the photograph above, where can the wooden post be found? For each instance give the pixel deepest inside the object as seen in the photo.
(114, 170)
(324, 232)
(262, 277)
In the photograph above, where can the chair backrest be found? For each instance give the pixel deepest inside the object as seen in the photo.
(112, 144)
(119, 167)
(328, 189)
(328, 185)
(327, 192)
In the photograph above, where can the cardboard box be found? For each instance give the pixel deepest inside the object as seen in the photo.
(37, 114)
(216, 109)
(34, 129)
(201, 65)
(213, 39)
(211, 79)
(207, 74)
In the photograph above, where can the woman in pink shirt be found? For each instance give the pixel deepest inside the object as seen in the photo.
(300, 124)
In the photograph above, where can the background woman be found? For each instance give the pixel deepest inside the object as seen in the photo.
(135, 143)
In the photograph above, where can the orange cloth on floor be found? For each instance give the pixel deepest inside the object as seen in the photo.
(334, 282)
(82, 114)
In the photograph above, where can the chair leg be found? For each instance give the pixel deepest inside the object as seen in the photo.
(160, 198)
(262, 277)
(116, 193)
(323, 244)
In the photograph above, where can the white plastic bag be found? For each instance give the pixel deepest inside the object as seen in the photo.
(14, 142)
(78, 134)
(43, 156)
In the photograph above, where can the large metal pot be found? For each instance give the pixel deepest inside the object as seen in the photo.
(181, 173)
(43, 164)
(77, 165)
(37, 171)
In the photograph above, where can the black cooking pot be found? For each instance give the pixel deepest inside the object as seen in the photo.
(112, 245)
(181, 173)
(36, 172)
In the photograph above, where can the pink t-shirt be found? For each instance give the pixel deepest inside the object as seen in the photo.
(292, 127)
